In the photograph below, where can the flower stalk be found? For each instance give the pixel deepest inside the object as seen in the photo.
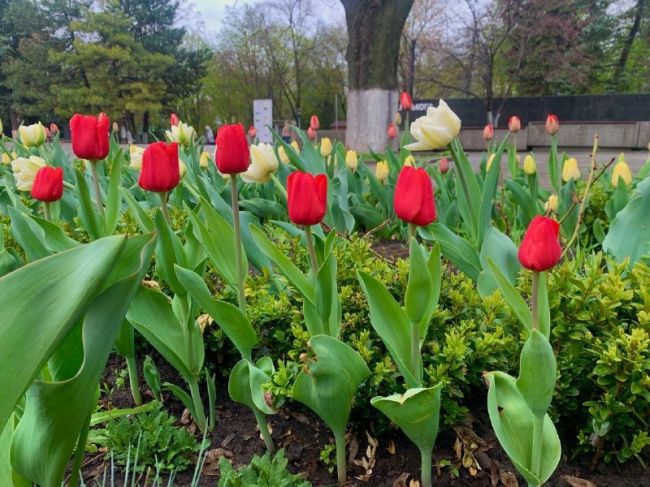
(99, 202)
(238, 243)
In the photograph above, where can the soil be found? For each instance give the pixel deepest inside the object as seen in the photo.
(468, 455)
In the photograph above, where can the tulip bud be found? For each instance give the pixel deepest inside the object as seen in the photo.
(570, 170)
(282, 154)
(48, 184)
(382, 171)
(311, 133)
(314, 123)
(116, 127)
(540, 249)
(6, 158)
(488, 132)
(252, 132)
(514, 124)
(180, 133)
(621, 172)
(295, 146)
(263, 164)
(552, 124)
(90, 136)
(436, 129)
(173, 120)
(182, 168)
(530, 167)
(306, 198)
(351, 160)
(325, 146)
(413, 200)
(443, 165)
(409, 161)
(405, 101)
(397, 119)
(54, 129)
(392, 131)
(551, 204)
(233, 155)
(160, 167)
(32, 135)
(135, 154)
(204, 160)
(25, 170)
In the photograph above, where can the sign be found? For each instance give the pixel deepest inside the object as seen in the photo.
(263, 119)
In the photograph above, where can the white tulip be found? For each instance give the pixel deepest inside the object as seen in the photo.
(436, 129)
(263, 164)
(25, 171)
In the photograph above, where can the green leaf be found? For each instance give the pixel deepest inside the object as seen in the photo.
(488, 192)
(169, 251)
(498, 247)
(553, 165)
(512, 421)
(416, 412)
(87, 215)
(435, 271)
(28, 235)
(458, 250)
(141, 217)
(511, 295)
(288, 268)
(528, 206)
(228, 317)
(419, 289)
(55, 412)
(26, 339)
(114, 196)
(182, 396)
(391, 324)
(328, 385)
(246, 384)
(537, 373)
(468, 191)
(543, 308)
(328, 304)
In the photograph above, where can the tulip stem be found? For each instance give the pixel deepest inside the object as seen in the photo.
(538, 439)
(264, 430)
(425, 467)
(238, 254)
(279, 186)
(533, 301)
(199, 411)
(98, 192)
(163, 206)
(312, 252)
(413, 232)
(80, 448)
(341, 464)
(46, 211)
(132, 367)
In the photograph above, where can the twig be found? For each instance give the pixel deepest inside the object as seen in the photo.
(378, 227)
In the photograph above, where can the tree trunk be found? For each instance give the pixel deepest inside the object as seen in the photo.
(627, 47)
(374, 33)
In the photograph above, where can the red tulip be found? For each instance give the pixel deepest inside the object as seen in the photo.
(314, 123)
(233, 155)
(392, 131)
(307, 198)
(54, 128)
(48, 184)
(173, 120)
(311, 133)
(405, 101)
(514, 124)
(252, 131)
(160, 169)
(413, 200)
(488, 132)
(443, 165)
(540, 249)
(552, 124)
(90, 136)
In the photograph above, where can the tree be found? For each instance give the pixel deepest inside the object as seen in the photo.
(374, 32)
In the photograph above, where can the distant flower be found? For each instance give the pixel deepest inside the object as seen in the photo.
(621, 172)
(514, 124)
(405, 101)
(392, 131)
(552, 124)
(351, 160)
(32, 135)
(180, 133)
(135, 154)
(314, 123)
(263, 164)
(551, 204)
(488, 132)
(382, 171)
(530, 167)
(325, 146)
(570, 170)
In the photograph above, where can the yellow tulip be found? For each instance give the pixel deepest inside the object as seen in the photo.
(382, 171)
(263, 164)
(325, 146)
(135, 154)
(570, 170)
(436, 129)
(621, 171)
(397, 120)
(283, 155)
(6, 158)
(409, 161)
(530, 167)
(204, 159)
(295, 146)
(32, 135)
(182, 167)
(25, 170)
(351, 160)
(551, 204)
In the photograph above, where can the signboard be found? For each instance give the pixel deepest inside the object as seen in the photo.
(263, 119)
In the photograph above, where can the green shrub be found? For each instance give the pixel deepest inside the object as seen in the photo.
(266, 471)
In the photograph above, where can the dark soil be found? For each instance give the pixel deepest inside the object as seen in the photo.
(465, 456)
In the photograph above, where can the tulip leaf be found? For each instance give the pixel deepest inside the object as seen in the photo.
(458, 250)
(513, 423)
(87, 214)
(416, 412)
(80, 274)
(258, 258)
(468, 191)
(229, 318)
(435, 270)
(328, 304)
(419, 289)
(288, 268)
(328, 385)
(537, 373)
(511, 295)
(528, 206)
(169, 251)
(246, 383)
(498, 247)
(56, 412)
(114, 195)
(543, 308)
(141, 217)
(392, 325)
(489, 190)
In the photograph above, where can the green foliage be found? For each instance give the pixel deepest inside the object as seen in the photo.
(154, 438)
(263, 471)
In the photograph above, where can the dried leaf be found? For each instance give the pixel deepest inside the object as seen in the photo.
(391, 447)
(401, 480)
(508, 479)
(578, 482)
